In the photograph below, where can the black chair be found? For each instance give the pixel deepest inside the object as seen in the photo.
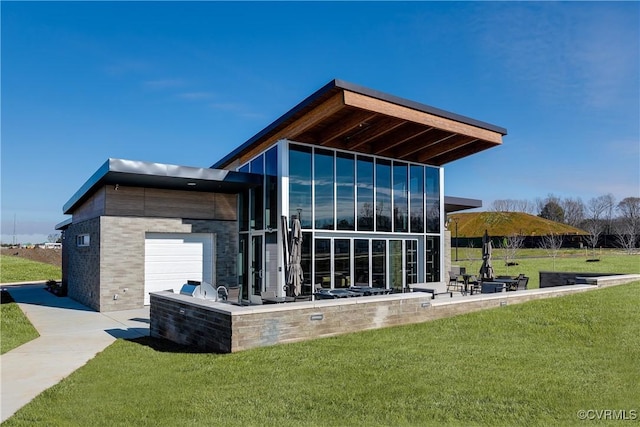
(523, 282)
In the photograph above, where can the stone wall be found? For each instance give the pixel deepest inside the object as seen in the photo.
(223, 328)
(81, 266)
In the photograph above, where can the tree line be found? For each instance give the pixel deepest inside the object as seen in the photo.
(599, 216)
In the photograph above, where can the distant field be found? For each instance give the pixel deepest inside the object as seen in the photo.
(532, 261)
(15, 269)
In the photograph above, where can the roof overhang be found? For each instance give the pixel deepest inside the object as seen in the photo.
(455, 204)
(159, 175)
(350, 117)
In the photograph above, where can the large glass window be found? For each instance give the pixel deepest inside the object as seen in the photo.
(323, 183)
(416, 189)
(345, 189)
(257, 198)
(300, 184)
(395, 260)
(411, 261)
(379, 263)
(433, 199)
(361, 262)
(342, 263)
(400, 198)
(323, 262)
(365, 193)
(271, 183)
(383, 195)
(305, 263)
(432, 259)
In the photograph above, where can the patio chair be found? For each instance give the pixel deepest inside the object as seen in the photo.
(455, 284)
(522, 282)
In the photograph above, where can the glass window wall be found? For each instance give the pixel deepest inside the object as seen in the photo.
(271, 183)
(379, 263)
(433, 199)
(342, 263)
(365, 193)
(323, 186)
(383, 195)
(323, 262)
(400, 198)
(416, 189)
(361, 262)
(345, 191)
(300, 184)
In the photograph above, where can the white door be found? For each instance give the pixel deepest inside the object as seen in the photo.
(173, 258)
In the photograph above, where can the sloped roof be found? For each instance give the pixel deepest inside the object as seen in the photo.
(346, 116)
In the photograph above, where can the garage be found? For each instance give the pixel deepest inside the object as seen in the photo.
(173, 258)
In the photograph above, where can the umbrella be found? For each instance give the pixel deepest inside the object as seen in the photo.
(486, 270)
(285, 245)
(294, 273)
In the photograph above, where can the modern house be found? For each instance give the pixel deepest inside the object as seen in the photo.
(362, 170)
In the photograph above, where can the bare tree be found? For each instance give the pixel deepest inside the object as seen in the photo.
(625, 235)
(512, 205)
(552, 243)
(629, 220)
(598, 210)
(510, 245)
(574, 211)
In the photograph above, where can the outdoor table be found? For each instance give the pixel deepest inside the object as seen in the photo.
(368, 290)
(465, 278)
(277, 300)
(509, 284)
(336, 293)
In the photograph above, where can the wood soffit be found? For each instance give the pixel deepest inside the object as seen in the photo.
(363, 122)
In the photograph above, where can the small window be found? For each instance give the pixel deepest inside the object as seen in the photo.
(83, 240)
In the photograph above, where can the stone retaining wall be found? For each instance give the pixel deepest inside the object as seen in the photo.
(224, 328)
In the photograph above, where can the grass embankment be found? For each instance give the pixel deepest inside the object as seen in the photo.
(537, 363)
(14, 269)
(532, 261)
(15, 328)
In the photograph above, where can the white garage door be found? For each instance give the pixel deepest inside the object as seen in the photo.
(171, 259)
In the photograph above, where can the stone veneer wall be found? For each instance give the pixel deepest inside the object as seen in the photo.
(109, 274)
(223, 328)
(82, 272)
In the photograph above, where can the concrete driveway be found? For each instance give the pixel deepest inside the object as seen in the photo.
(71, 334)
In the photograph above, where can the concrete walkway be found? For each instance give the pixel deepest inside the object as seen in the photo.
(71, 334)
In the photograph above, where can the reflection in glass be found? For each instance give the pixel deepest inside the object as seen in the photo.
(432, 188)
(432, 259)
(300, 183)
(379, 263)
(305, 263)
(323, 182)
(400, 198)
(411, 260)
(383, 195)
(342, 263)
(345, 186)
(257, 196)
(395, 259)
(323, 262)
(271, 184)
(365, 193)
(361, 261)
(416, 188)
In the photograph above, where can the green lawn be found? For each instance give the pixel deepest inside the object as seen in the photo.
(14, 269)
(15, 328)
(532, 261)
(537, 363)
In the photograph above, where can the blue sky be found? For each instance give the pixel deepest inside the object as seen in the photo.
(185, 83)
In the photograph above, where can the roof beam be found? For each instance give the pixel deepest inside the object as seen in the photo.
(405, 113)
(343, 127)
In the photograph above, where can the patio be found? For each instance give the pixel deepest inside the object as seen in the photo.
(224, 328)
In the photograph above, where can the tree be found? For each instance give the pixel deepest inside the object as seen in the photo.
(54, 238)
(510, 205)
(574, 211)
(551, 243)
(598, 213)
(552, 211)
(628, 224)
(510, 245)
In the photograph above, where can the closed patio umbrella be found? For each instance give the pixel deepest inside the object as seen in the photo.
(294, 272)
(285, 245)
(486, 270)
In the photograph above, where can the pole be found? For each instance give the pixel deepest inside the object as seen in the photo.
(456, 221)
